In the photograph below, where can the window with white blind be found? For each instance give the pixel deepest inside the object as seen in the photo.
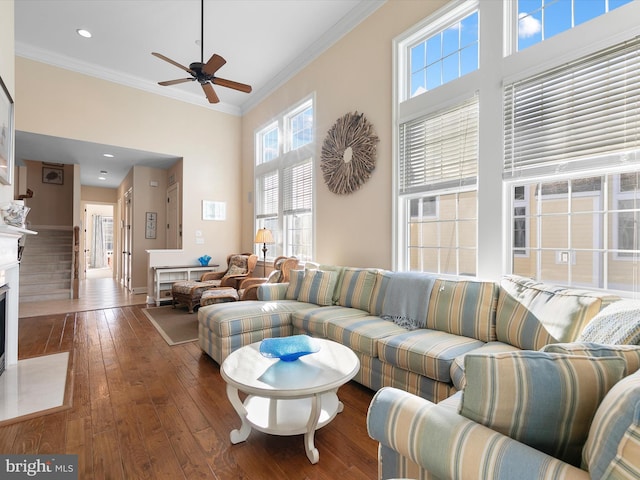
(438, 168)
(572, 139)
(284, 182)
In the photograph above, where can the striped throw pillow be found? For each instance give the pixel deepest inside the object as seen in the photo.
(295, 282)
(317, 287)
(357, 287)
(544, 400)
(617, 417)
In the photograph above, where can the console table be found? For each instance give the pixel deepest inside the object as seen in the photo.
(165, 276)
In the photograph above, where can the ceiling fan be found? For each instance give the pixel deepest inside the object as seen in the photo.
(204, 73)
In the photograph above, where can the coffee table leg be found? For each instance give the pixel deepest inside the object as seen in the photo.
(242, 434)
(314, 416)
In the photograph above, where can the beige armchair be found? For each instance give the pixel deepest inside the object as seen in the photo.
(239, 267)
(248, 289)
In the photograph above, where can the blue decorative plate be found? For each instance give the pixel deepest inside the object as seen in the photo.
(288, 349)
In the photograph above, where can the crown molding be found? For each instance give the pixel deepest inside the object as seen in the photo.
(68, 63)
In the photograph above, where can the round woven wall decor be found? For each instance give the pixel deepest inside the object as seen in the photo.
(348, 153)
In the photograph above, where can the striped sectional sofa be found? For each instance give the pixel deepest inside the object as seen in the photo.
(413, 369)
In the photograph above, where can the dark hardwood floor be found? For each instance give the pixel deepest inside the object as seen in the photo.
(144, 410)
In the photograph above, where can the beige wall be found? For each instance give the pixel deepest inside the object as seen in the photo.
(7, 67)
(355, 74)
(98, 194)
(89, 109)
(51, 204)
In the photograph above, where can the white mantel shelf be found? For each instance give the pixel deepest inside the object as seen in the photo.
(17, 231)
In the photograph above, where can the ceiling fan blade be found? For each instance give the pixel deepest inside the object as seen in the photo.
(175, 82)
(172, 62)
(231, 84)
(214, 63)
(210, 93)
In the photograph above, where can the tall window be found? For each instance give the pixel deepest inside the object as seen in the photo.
(437, 188)
(542, 19)
(284, 181)
(580, 123)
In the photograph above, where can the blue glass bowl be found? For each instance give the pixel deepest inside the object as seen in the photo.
(288, 349)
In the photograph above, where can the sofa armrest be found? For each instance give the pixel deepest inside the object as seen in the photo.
(449, 445)
(272, 291)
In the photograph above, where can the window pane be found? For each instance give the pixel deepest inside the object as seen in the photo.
(302, 128)
(585, 11)
(269, 145)
(444, 56)
(557, 17)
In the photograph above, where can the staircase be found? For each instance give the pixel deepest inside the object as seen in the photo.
(45, 269)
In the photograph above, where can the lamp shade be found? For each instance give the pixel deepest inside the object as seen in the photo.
(264, 236)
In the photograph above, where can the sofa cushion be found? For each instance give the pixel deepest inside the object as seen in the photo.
(562, 312)
(544, 400)
(361, 334)
(357, 288)
(295, 283)
(314, 321)
(465, 308)
(317, 287)
(617, 419)
(234, 318)
(630, 353)
(618, 323)
(425, 352)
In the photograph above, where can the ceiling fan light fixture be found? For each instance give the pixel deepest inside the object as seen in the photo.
(84, 33)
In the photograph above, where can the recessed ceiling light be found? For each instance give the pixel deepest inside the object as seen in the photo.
(84, 33)
(103, 172)
(108, 155)
(102, 178)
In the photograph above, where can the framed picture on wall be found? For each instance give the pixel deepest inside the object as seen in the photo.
(53, 175)
(6, 135)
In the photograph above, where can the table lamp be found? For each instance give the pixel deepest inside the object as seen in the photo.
(264, 236)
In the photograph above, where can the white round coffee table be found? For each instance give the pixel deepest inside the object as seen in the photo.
(288, 398)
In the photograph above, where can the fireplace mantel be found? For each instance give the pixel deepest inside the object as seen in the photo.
(10, 276)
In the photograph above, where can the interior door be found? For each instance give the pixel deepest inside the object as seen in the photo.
(127, 239)
(174, 229)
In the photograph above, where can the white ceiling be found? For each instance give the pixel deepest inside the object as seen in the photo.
(264, 42)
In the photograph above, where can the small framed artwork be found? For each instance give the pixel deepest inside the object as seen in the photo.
(6, 135)
(214, 210)
(54, 175)
(151, 225)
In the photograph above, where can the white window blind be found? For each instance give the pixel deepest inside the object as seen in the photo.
(298, 188)
(440, 150)
(268, 202)
(584, 114)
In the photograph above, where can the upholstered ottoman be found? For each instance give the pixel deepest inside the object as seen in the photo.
(189, 292)
(218, 295)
